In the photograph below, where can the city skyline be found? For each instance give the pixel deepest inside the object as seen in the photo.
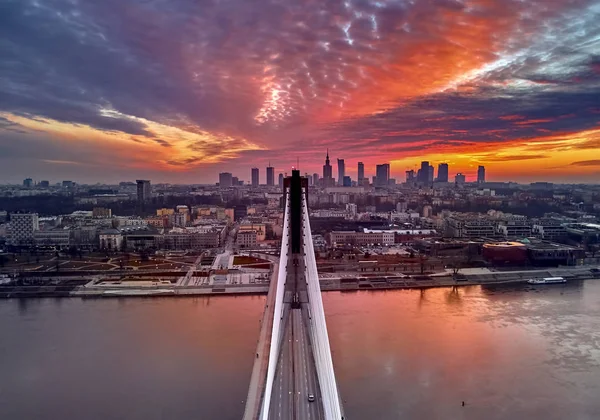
(178, 92)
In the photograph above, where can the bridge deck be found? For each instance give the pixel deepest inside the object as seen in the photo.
(299, 355)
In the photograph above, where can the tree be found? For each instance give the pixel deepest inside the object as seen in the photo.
(72, 251)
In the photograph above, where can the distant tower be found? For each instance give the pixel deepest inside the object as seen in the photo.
(315, 179)
(280, 180)
(481, 174)
(382, 174)
(327, 173)
(270, 176)
(442, 172)
(361, 173)
(225, 180)
(255, 179)
(430, 174)
(28, 182)
(424, 172)
(144, 190)
(341, 171)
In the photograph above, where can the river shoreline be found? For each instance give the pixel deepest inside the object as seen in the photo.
(327, 285)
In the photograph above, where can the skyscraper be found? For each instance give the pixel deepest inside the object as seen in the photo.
(481, 174)
(430, 174)
(225, 180)
(361, 173)
(424, 172)
(144, 190)
(255, 179)
(280, 180)
(270, 176)
(341, 171)
(28, 182)
(442, 172)
(327, 174)
(315, 179)
(410, 176)
(382, 174)
(459, 178)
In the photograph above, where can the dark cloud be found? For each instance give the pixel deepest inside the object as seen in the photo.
(509, 158)
(586, 163)
(163, 143)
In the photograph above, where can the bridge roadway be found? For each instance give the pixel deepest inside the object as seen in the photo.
(296, 375)
(299, 358)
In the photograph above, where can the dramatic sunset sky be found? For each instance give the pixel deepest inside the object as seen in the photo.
(180, 90)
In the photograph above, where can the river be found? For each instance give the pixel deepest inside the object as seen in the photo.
(513, 352)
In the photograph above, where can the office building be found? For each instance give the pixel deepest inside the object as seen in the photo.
(144, 190)
(469, 225)
(424, 172)
(28, 182)
(430, 174)
(67, 184)
(382, 174)
(270, 176)
(239, 212)
(361, 173)
(44, 184)
(22, 228)
(255, 177)
(225, 180)
(459, 178)
(246, 239)
(315, 179)
(361, 238)
(280, 181)
(235, 181)
(410, 176)
(327, 172)
(164, 212)
(101, 212)
(347, 182)
(442, 172)
(427, 211)
(341, 171)
(481, 174)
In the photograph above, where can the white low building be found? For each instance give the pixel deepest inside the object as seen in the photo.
(110, 239)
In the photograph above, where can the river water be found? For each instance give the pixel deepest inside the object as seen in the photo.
(513, 352)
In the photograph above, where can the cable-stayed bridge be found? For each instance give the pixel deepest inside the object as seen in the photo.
(293, 375)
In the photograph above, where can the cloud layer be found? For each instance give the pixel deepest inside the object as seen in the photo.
(183, 88)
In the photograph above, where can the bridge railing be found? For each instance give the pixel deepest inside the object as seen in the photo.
(318, 329)
(276, 332)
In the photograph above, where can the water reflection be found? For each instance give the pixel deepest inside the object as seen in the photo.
(509, 352)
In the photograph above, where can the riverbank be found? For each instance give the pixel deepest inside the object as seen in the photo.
(347, 283)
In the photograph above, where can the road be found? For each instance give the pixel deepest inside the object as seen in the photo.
(296, 376)
(305, 373)
(222, 259)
